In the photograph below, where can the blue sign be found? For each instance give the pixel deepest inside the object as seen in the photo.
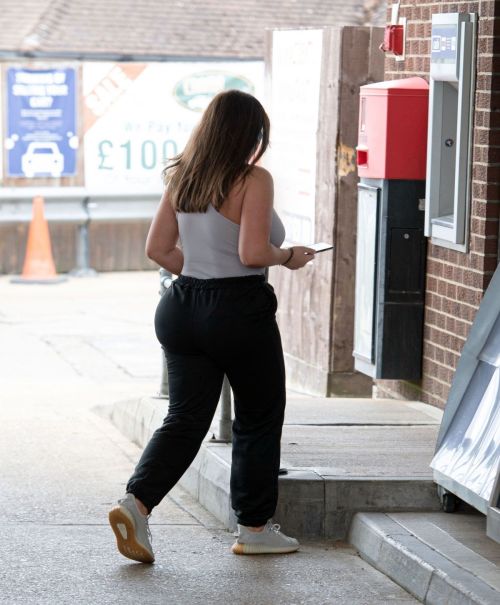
(42, 139)
(444, 43)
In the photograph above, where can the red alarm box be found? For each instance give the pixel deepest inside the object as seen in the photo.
(394, 38)
(392, 137)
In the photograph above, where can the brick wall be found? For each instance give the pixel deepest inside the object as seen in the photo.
(456, 281)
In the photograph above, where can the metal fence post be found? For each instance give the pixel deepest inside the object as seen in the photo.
(226, 419)
(165, 281)
(83, 268)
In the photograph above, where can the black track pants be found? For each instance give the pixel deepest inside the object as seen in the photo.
(208, 328)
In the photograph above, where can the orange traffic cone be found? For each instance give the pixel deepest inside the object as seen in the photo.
(39, 267)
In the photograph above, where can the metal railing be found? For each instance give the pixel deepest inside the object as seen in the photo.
(78, 206)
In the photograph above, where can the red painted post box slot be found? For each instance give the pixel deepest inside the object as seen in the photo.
(392, 139)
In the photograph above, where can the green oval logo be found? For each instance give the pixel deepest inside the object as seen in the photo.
(197, 90)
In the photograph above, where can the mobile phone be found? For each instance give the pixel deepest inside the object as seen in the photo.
(321, 247)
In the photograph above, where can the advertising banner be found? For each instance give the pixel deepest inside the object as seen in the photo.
(294, 98)
(136, 116)
(41, 138)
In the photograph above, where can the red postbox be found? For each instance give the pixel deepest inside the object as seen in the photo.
(392, 141)
(391, 246)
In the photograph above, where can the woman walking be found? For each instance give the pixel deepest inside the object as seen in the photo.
(218, 318)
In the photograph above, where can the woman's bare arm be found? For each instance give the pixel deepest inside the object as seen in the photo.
(161, 243)
(255, 248)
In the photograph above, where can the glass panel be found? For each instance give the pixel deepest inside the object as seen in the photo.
(365, 273)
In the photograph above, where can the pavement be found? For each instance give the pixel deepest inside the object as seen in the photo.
(359, 491)
(70, 350)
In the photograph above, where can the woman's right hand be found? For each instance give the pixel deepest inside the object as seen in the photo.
(301, 256)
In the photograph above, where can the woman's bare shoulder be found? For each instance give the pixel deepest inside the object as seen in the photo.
(260, 173)
(259, 190)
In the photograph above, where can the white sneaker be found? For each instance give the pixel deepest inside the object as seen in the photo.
(269, 540)
(131, 529)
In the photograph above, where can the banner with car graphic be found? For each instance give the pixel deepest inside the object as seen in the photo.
(41, 138)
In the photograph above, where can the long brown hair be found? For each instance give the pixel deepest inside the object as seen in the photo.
(232, 135)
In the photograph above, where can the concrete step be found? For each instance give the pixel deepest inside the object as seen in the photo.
(309, 505)
(437, 557)
(334, 468)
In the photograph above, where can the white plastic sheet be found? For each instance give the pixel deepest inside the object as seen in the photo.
(469, 451)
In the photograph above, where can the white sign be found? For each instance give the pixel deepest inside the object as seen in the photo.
(295, 86)
(139, 115)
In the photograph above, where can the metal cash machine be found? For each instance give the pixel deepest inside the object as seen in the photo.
(451, 105)
(391, 246)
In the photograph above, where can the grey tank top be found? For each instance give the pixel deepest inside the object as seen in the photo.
(209, 242)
